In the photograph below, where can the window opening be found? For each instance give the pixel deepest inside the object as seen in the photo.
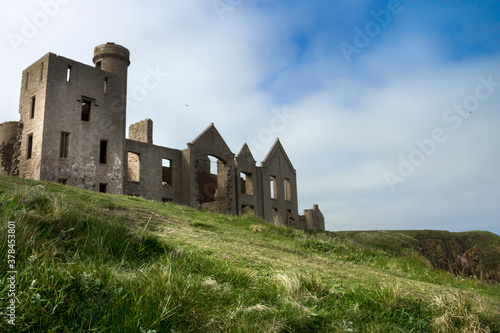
(103, 153)
(103, 187)
(33, 102)
(98, 65)
(213, 176)
(30, 146)
(134, 167)
(289, 218)
(86, 107)
(247, 210)
(274, 192)
(41, 71)
(106, 82)
(166, 172)
(213, 164)
(68, 73)
(288, 191)
(64, 145)
(63, 181)
(246, 183)
(276, 216)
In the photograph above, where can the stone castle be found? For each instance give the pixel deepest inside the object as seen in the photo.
(73, 131)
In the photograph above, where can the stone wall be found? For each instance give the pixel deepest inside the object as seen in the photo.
(312, 219)
(249, 189)
(84, 103)
(141, 131)
(8, 140)
(32, 113)
(279, 189)
(147, 174)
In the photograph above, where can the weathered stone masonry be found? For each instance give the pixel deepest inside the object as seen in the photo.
(72, 131)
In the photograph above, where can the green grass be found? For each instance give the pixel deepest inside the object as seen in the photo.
(92, 262)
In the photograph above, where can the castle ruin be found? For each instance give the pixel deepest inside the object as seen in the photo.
(72, 130)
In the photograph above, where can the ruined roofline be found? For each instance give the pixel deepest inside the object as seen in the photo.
(72, 61)
(277, 146)
(113, 50)
(200, 135)
(9, 122)
(243, 149)
(200, 142)
(149, 144)
(33, 64)
(51, 55)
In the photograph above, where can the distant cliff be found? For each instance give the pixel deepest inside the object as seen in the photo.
(472, 253)
(467, 253)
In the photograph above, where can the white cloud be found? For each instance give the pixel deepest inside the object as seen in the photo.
(352, 121)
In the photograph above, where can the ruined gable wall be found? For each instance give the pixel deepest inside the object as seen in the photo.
(249, 191)
(210, 142)
(283, 209)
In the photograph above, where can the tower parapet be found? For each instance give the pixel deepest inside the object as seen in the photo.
(112, 58)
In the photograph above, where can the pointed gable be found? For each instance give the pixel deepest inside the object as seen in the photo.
(245, 160)
(276, 151)
(211, 142)
(245, 154)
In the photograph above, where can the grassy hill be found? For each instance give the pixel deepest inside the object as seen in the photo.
(92, 262)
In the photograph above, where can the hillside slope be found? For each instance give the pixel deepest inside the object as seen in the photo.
(92, 262)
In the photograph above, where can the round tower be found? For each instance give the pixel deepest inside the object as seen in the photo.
(113, 58)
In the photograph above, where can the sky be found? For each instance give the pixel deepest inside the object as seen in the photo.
(388, 110)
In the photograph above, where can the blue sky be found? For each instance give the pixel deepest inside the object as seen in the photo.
(401, 131)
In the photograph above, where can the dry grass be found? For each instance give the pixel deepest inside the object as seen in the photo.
(457, 311)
